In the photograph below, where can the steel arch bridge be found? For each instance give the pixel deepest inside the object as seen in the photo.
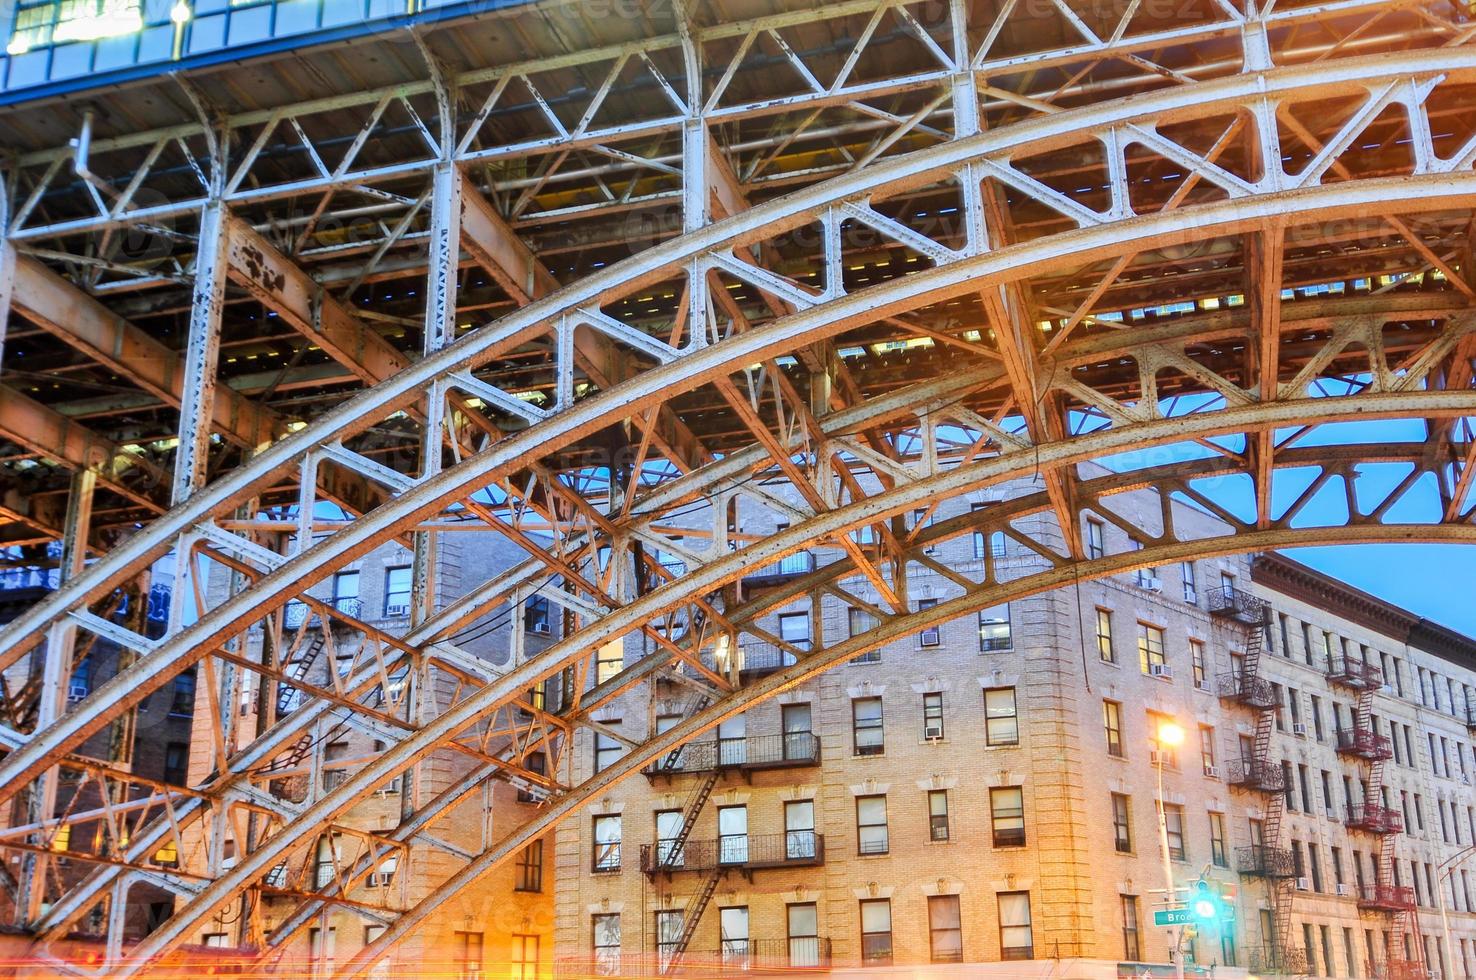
(1227, 249)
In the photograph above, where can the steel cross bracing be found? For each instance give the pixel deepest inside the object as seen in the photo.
(1288, 156)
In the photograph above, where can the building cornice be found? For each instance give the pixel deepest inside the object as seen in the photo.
(1291, 578)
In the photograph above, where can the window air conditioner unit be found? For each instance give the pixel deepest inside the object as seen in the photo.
(1299, 729)
(1161, 670)
(1153, 584)
(1213, 772)
(1304, 885)
(398, 609)
(932, 733)
(1344, 890)
(1201, 685)
(380, 878)
(76, 692)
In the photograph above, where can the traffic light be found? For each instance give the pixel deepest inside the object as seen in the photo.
(1205, 904)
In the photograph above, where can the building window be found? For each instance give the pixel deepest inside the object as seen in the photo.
(609, 660)
(994, 629)
(1150, 648)
(871, 825)
(528, 873)
(799, 738)
(605, 927)
(933, 715)
(1173, 818)
(938, 814)
(794, 629)
(799, 830)
(606, 749)
(183, 701)
(1095, 545)
(1207, 750)
(397, 591)
(733, 935)
(1122, 827)
(524, 957)
(537, 764)
(322, 948)
(468, 955)
(1219, 856)
(1007, 813)
(536, 618)
(1201, 668)
(606, 843)
(802, 928)
(346, 592)
(176, 763)
(1104, 637)
(668, 935)
(876, 930)
(1015, 938)
(1112, 725)
(945, 929)
(860, 621)
(930, 635)
(867, 736)
(1001, 725)
(1191, 587)
(1165, 755)
(1131, 949)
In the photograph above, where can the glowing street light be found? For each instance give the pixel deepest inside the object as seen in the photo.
(1169, 734)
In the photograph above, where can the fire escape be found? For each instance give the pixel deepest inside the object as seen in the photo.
(713, 859)
(1263, 858)
(1383, 896)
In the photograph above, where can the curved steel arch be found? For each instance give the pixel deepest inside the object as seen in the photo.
(1134, 422)
(165, 660)
(762, 221)
(313, 820)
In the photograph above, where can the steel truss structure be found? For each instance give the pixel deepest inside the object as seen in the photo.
(813, 269)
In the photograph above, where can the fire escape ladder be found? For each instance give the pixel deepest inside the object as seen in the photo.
(1250, 689)
(674, 848)
(691, 916)
(673, 759)
(287, 692)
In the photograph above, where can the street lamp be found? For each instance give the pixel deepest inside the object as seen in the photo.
(1169, 734)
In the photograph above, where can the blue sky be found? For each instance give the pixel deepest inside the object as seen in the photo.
(1433, 580)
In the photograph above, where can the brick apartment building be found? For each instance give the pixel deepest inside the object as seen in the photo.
(987, 792)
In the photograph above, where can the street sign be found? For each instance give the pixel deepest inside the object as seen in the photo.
(1173, 917)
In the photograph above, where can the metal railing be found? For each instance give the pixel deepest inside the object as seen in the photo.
(1386, 898)
(795, 953)
(1364, 743)
(1376, 818)
(1270, 959)
(794, 848)
(1253, 692)
(1264, 861)
(748, 752)
(298, 612)
(799, 563)
(1236, 604)
(1256, 774)
(1354, 673)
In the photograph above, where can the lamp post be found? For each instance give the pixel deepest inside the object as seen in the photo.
(1447, 870)
(1169, 734)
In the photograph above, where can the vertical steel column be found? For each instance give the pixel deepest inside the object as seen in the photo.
(52, 701)
(7, 266)
(442, 261)
(197, 400)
